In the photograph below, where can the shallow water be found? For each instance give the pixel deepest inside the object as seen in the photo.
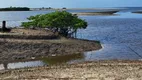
(46, 61)
(16, 65)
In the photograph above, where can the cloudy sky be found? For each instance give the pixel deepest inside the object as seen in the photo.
(71, 3)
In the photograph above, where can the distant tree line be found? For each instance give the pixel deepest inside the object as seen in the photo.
(15, 9)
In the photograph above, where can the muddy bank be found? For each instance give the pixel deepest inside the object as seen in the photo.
(99, 70)
(23, 44)
(20, 49)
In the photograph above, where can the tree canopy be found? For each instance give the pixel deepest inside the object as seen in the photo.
(61, 21)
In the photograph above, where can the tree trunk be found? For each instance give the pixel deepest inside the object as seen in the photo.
(64, 32)
(75, 33)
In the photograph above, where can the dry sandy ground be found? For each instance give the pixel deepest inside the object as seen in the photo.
(32, 31)
(99, 70)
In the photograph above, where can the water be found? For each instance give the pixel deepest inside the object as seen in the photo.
(120, 36)
(25, 64)
(14, 18)
(46, 61)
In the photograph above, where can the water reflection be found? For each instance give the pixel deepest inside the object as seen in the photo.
(25, 64)
(62, 59)
(1, 67)
(43, 61)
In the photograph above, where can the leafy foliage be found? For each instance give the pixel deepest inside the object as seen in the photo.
(59, 21)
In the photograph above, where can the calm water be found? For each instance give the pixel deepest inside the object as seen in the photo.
(46, 61)
(120, 35)
(14, 18)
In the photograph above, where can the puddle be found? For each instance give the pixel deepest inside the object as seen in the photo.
(25, 64)
(62, 59)
(54, 60)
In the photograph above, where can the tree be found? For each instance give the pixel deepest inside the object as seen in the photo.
(62, 22)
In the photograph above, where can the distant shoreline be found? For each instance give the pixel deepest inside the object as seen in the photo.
(101, 12)
(15, 9)
(138, 12)
(96, 13)
(74, 9)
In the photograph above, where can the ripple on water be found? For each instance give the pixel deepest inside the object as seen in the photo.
(121, 38)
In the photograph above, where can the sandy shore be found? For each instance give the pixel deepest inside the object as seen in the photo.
(98, 70)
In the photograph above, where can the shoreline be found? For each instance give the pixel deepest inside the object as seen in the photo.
(38, 9)
(102, 11)
(96, 13)
(106, 70)
(138, 12)
(21, 48)
(12, 49)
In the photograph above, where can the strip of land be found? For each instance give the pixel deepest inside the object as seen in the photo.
(15, 9)
(20, 45)
(96, 13)
(98, 70)
(139, 12)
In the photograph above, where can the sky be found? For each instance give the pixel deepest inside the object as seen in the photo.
(70, 3)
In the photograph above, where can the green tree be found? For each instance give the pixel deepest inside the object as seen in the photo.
(62, 22)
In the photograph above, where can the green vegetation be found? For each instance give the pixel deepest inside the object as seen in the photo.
(59, 21)
(15, 9)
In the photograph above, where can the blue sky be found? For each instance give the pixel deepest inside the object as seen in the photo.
(71, 3)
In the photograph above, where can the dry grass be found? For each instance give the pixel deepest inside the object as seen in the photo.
(32, 31)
